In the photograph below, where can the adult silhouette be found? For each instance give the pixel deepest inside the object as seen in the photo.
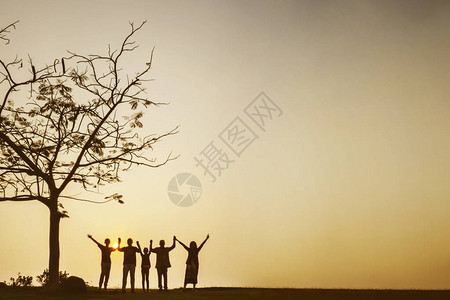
(129, 263)
(145, 264)
(106, 261)
(192, 263)
(162, 261)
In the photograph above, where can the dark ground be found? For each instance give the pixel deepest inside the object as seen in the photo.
(35, 293)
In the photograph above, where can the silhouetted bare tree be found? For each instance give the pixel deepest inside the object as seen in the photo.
(78, 122)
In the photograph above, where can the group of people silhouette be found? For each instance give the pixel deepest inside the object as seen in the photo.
(162, 262)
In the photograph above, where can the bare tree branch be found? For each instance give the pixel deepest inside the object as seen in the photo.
(6, 30)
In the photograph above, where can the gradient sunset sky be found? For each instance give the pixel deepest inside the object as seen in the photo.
(348, 188)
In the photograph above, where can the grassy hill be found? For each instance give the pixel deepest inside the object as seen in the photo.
(35, 293)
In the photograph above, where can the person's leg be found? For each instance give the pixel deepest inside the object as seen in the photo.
(107, 271)
(145, 278)
(159, 270)
(102, 275)
(124, 278)
(147, 274)
(132, 273)
(165, 278)
(100, 282)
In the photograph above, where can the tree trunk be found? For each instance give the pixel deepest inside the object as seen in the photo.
(53, 265)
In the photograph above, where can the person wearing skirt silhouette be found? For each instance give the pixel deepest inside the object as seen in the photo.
(192, 264)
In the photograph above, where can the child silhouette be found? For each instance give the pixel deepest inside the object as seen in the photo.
(145, 264)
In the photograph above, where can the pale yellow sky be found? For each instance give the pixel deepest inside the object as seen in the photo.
(348, 188)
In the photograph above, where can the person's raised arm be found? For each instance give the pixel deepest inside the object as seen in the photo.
(185, 247)
(174, 243)
(207, 237)
(118, 243)
(150, 247)
(139, 247)
(90, 236)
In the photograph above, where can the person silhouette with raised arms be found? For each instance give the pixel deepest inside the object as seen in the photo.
(129, 263)
(106, 261)
(163, 262)
(192, 264)
(145, 264)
